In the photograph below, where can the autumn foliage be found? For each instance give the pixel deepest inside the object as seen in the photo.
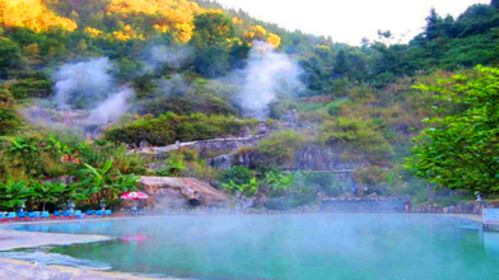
(175, 16)
(32, 14)
(258, 32)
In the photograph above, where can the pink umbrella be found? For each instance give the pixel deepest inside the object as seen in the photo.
(134, 196)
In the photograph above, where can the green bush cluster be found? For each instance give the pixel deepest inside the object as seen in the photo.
(9, 118)
(458, 148)
(278, 150)
(170, 127)
(42, 170)
(31, 87)
(240, 179)
(184, 94)
(360, 136)
(334, 108)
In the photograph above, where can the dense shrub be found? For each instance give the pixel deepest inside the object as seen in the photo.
(335, 107)
(9, 119)
(183, 94)
(32, 169)
(360, 136)
(297, 192)
(168, 128)
(279, 149)
(31, 87)
(329, 183)
(239, 179)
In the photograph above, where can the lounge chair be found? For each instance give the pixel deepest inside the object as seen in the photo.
(11, 215)
(90, 212)
(108, 212)
(68, 213)
(45, 214)
(34, 215)
(78, 214)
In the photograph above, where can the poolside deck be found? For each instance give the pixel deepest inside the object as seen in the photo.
(13, 239)
(23, 270)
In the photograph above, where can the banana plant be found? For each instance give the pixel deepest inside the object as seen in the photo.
(13, 193)
(106, 182)
(96, 180)
(47, 192)
(20, 145)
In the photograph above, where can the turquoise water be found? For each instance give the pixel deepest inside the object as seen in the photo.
(291, 247)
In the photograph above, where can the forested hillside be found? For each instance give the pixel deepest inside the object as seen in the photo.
(83, 81)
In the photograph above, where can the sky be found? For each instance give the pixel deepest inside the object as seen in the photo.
(348, 21)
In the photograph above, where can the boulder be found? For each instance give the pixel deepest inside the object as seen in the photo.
(173, 192)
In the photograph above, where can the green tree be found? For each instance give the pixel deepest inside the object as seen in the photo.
(175, 164)
(46, 192)
(212, 61)
(10, 56)
(13, 193)
(212, 29)
(239, 179)
(459, 148)
(212, 39)
(9, 119)
(433, 25)
(105, 182)
(278, 181)
(279, 149)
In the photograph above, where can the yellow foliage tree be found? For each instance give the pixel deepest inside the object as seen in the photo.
(32, 14)
(93, 32)
(127, 33)
(175, 16)
(258, 32)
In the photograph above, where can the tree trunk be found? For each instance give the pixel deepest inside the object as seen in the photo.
(431, 194)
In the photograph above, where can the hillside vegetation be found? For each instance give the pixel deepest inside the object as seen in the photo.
(126, 72)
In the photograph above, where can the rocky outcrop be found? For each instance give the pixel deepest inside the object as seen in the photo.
(365, 205)
(205, 148)
(170, 192)
(468, 207)
(315, 157)
(309, 158)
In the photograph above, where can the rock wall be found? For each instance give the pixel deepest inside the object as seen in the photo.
(206, 148)
(175, 193)
(317, 157)
(365, 205)
(470, 207)
(310, 158)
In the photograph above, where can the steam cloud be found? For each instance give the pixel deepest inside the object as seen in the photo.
(266, 75)
(173, 57)
(86, 98)
(82, 84)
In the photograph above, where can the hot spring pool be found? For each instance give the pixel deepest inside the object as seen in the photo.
(318, 246)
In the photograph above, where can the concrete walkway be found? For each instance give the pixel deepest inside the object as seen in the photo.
(23, 270)
(13, 239)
